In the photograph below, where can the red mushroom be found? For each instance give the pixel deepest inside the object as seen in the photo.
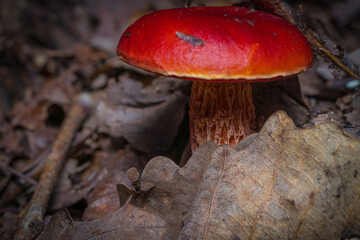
(223, 50)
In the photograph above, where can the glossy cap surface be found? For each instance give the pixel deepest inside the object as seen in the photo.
(215, 43)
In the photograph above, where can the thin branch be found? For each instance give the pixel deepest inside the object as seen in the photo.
(17, 173)
(32, 223)
(330, 56)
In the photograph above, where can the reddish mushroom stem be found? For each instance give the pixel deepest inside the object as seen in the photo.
(220, 112)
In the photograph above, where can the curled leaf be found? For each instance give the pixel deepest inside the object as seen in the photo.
(149, 129)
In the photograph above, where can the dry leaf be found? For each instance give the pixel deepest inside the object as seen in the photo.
(142, 91)
(128, 222)
(170, 190)
(283, 183)
(271, 97)
(149, 129)
(99, 182)
(102, 207)
(61, 227)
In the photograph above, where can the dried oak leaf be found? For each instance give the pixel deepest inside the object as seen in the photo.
(168, 189)
(129, 222)
(283, 183)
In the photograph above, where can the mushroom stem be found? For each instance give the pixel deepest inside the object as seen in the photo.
(220, 112)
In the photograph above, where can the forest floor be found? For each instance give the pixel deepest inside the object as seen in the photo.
(54, 52)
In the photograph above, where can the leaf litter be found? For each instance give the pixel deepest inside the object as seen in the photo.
(294, 182)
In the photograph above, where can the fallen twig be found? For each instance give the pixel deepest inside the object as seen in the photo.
(330, 56)
(311, 37)
(20, 175)
(32, 222)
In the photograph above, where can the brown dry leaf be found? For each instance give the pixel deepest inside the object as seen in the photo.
(170, 190)
(60, 227)
(283, 183)
(129, 222)
(102, 207)
(32, 125)
(103, 200)
(271, 97)
(98, 182)
(149, 129)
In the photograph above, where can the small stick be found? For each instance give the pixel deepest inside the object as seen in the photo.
(330, 56)
(310, 35)
(17, 173)
(32, 223)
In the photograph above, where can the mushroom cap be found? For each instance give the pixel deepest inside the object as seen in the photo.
(216, 44)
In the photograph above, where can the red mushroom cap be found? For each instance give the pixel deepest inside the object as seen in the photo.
(215, 43)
